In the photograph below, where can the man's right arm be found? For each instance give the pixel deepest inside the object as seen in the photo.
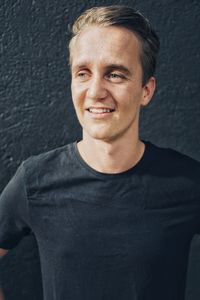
(14, 213)
(1, 294)
(3, 252)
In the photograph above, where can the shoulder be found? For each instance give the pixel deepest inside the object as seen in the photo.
(172, 176)
(171, 157)
(43, 163)
(168, 160)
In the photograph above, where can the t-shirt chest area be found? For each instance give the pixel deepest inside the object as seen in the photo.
(106, 221)
(108, 233)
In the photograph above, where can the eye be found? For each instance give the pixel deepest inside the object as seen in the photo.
(115, 77)
(82, 75)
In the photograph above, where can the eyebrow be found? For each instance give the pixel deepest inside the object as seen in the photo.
(108, 68)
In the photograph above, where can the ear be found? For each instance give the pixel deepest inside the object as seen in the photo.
(148, 91)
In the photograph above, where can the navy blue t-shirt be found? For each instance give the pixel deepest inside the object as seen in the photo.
(100, 236)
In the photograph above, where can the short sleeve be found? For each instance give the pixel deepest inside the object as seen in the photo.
(14, 217)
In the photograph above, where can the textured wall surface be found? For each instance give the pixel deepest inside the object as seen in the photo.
(36, 112)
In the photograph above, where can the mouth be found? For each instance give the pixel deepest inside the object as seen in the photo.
(100, 110)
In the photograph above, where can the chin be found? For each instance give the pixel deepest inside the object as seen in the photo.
(99, 136)
(104, 137)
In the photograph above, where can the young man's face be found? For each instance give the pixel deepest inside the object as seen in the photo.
(106, 84)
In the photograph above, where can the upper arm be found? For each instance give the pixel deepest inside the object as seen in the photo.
(14, 219)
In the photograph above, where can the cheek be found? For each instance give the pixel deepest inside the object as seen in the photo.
(77, 91)
(73, 89)
(124, 98)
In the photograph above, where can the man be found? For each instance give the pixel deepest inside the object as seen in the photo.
(113, 215)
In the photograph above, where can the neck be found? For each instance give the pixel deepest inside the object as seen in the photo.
(111, 157)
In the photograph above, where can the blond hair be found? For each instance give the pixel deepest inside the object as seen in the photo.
(117, 15)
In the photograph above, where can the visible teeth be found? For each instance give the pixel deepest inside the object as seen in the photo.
(99, 110)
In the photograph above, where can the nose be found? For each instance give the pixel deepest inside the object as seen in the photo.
(96, 89)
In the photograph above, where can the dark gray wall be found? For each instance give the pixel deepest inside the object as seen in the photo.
(36, 112)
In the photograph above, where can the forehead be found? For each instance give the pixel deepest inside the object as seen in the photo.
(110, 44)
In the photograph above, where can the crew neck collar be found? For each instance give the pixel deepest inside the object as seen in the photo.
(137, 168)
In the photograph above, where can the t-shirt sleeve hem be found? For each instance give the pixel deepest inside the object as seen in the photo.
(8, 245)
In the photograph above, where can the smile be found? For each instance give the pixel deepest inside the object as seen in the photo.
(100, 110)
